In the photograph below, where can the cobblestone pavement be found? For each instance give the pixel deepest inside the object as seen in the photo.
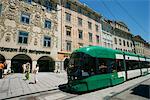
(15, 84)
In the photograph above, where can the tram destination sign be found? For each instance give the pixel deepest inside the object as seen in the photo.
(23, 50)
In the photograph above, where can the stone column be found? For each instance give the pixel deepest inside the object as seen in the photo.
(34, 62)
(62, 66)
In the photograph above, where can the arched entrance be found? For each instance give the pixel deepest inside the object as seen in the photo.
(46, 64)
(66, 61)
(17, 62)
(2, 58)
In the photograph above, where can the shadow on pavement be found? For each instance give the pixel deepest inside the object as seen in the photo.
(142, 90)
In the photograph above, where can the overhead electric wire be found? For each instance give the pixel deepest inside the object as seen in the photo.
(109, 10)
(140, 26)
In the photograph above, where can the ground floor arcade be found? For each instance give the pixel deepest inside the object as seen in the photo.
(46, 63)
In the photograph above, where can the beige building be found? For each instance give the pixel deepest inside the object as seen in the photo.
(147, 49)
(122, 38)
(28, 33)
(78, 26)
(141, 46)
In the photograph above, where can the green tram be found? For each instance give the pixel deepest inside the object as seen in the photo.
(96, 67)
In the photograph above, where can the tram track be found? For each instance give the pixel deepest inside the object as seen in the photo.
(54, 94)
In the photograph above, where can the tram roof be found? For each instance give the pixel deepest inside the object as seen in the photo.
(132, 54)
(99, 52)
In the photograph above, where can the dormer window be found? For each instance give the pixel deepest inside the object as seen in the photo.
(29, 1)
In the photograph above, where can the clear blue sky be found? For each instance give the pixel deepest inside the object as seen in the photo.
(134, 13)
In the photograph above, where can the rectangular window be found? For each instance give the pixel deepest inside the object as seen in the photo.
(68, 31)
(48, 5)
(48, 24)
(105, 44)
(124, 43)
(89, 14)
(68, 5)
(29, 1)
(79, 10)
(47, 41)
(80, 34)
(120, 42)
(96, 28)
(115, 39)
(131, 44)
(25, 17)
(23, 37)
(97, 39)
(79, 21)
(90, 37)
(0, 9)
(89, 25)
(68, 17)
(68, 46)
(127, 44)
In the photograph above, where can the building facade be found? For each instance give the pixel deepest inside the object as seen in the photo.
(141, 46)
(122, 38)
(78, 26)
(106, 36)
(28, 33)
(147, 49)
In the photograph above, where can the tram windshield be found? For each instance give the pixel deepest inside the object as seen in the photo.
(81, 65)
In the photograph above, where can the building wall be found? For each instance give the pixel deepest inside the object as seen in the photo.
(147, 51)
(122, 38)
(139, 48)
(73, 24)
(10, 26)
(107, 39)
(121, 46)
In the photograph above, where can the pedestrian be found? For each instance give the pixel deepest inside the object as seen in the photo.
(57, 70)
(35, 72)
(1, 69)
(24, 68)
(27, 75)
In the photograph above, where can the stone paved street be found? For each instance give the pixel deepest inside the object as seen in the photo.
(14, 85)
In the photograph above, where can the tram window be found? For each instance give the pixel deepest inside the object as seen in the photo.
(148, 64)
(119, 65)
(106, 66)
(131, 65)
(144, 64)
(89, 65)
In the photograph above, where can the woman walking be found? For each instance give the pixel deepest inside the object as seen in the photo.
(35, 72)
